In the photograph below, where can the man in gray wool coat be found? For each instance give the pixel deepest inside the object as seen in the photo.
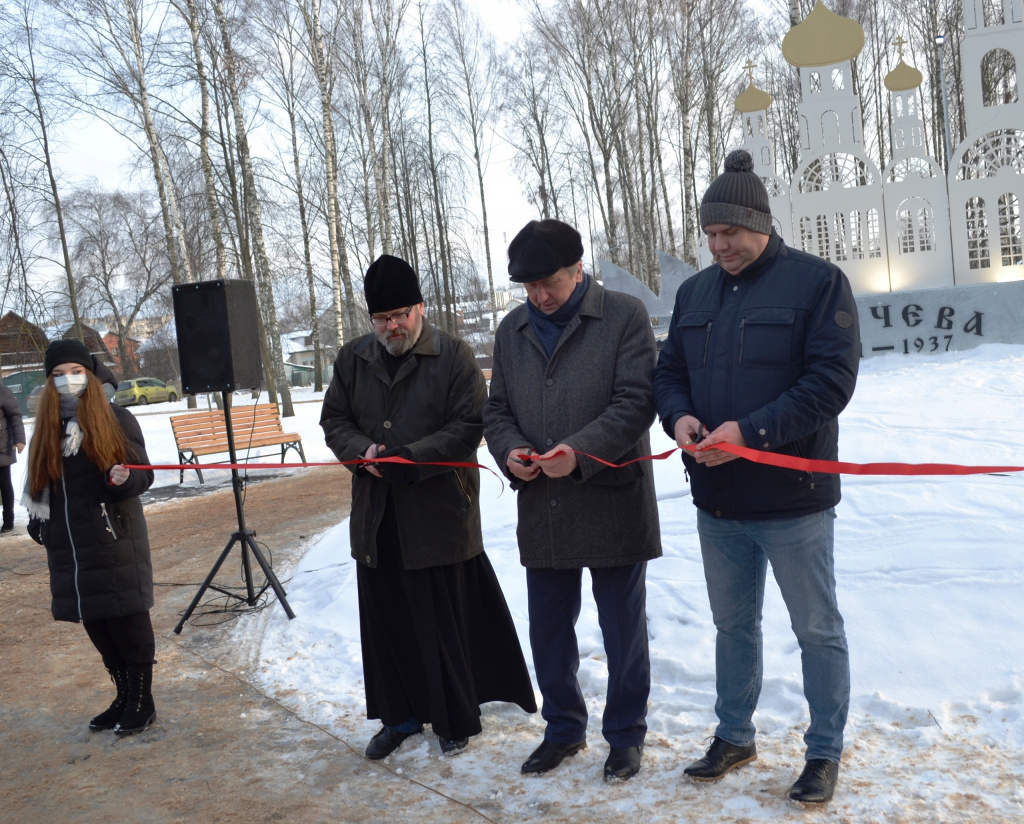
(572, 375)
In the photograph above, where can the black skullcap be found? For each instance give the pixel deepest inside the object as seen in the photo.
(68, 351)
(390, 283)
(737, 197)
(541, 248)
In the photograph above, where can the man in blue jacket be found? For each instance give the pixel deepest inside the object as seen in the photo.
(763, 353)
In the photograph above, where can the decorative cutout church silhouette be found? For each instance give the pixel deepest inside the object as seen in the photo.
(936, 261)
(900, 230)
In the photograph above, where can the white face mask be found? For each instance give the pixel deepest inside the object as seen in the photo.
(71, 384)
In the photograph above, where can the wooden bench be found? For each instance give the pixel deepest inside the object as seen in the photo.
(204, 433)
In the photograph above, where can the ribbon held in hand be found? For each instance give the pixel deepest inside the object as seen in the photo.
(768, 458)
(824, 467)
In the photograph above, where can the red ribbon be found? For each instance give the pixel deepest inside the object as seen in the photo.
(768, 458)
(825, 467)
(395, 459)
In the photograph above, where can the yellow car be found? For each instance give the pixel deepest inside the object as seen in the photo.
(143, 391)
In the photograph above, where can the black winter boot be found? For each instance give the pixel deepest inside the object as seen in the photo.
(108, 719)
(139, 711)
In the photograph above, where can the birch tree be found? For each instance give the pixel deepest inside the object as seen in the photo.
(283, 56)
(440, 221)
(21, 67)
(474, 56)
(264, 283)
(189, 11)
(340, 274)
(109, 49)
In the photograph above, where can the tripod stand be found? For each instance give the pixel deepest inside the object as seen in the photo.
(245, 537)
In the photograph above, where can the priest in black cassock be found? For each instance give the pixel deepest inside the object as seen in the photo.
(437, 637)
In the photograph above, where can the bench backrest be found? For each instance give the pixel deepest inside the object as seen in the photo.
(197, 428)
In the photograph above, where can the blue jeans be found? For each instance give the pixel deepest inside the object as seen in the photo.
(620, 593)
(736, 556)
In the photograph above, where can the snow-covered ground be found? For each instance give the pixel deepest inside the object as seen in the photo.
(931, 583)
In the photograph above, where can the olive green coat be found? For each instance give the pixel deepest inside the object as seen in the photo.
(433, 407)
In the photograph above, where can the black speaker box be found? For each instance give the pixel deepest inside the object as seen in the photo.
(218, 336)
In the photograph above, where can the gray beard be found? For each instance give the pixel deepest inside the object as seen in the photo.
(397, 348)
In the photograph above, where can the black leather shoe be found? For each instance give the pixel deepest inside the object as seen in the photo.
(452, 746)
(816, 783)
(386, 742)
(623, 762)
(549, 755)
(719, 759)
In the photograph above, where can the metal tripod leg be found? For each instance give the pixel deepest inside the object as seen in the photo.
(207, 583)
(244, 536)
(268, 572)
(248, 544)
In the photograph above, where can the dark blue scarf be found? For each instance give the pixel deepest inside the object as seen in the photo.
(549, 328)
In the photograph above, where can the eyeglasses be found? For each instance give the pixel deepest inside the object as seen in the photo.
(381, 322)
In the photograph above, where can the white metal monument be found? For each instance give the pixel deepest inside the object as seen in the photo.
(937, 261)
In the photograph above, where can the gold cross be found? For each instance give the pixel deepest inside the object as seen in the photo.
(750, 65)
(899, 42)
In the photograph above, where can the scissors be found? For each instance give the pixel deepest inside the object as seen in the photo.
(702, 432)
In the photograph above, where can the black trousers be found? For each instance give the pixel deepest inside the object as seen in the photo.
(125, 643)
(7, 495)
(554, 597)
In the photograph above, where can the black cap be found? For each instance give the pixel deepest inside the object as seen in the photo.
(390, 283)
(738, 197)
(68, 351)
(541, 248)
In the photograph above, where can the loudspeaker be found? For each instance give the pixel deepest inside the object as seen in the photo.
(218, 336)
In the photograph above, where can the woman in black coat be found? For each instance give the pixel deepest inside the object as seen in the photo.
(84, 508)
(12, 441)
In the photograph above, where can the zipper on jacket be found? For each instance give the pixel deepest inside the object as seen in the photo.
(106, 517)
(74, 551)
(707, 343)
(743, 330)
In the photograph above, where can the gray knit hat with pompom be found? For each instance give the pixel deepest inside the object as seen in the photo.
(737, 197)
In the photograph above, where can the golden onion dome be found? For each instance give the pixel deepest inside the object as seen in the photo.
(822, 39)
(903, 78)
(753, 99)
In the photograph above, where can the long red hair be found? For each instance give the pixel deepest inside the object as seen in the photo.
(103, 439)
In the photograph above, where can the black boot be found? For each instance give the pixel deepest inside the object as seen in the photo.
(816, 783)
(720, 758)
(139, 711)
(549, 755)
(108, 719)
(623, 762)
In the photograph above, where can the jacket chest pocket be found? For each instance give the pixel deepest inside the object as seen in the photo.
(769, 337)
(694, 328)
